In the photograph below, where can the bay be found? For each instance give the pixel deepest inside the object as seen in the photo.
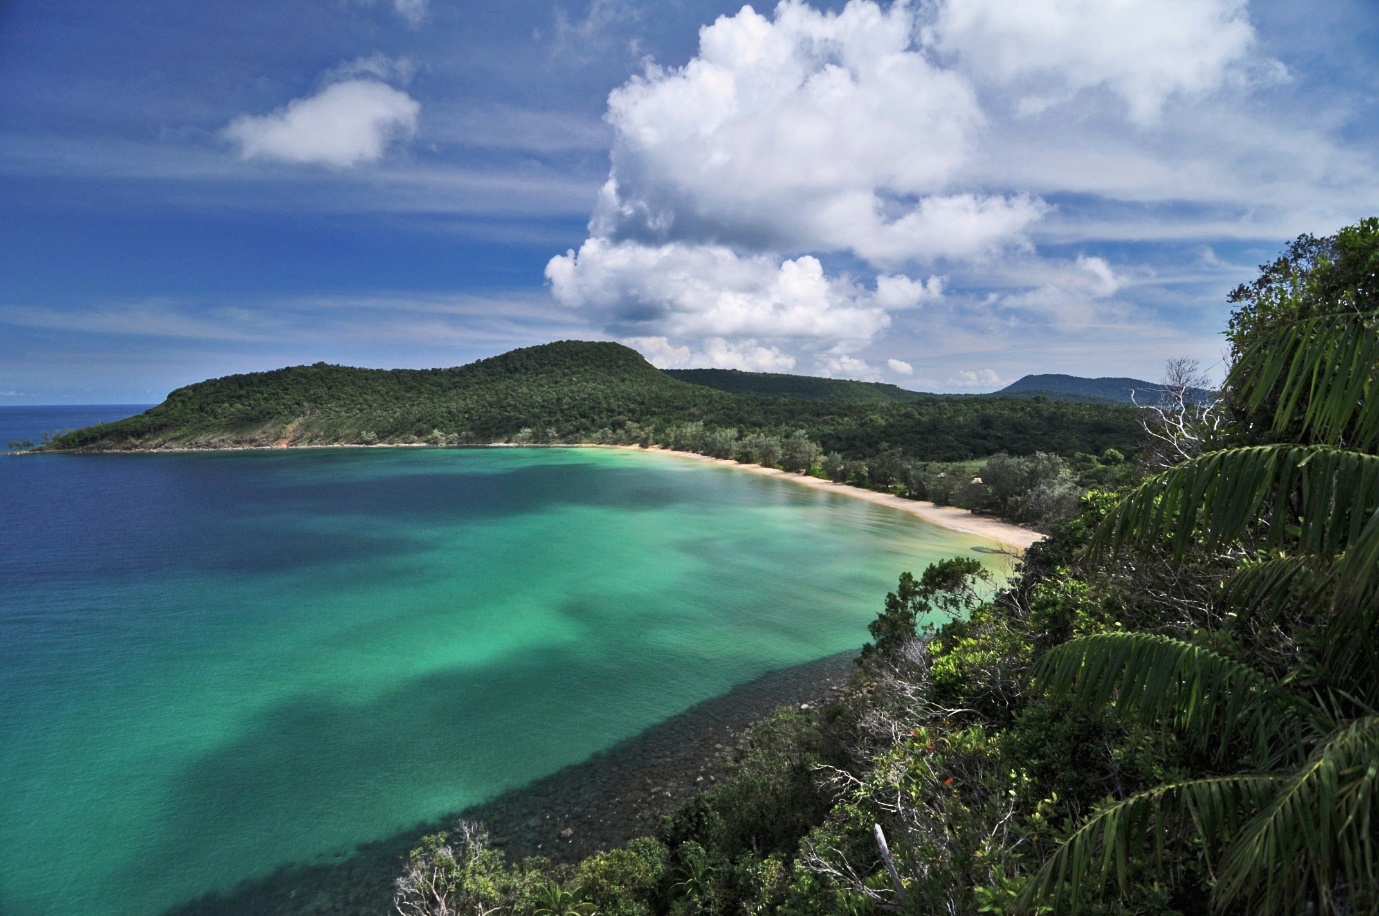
(215, 664)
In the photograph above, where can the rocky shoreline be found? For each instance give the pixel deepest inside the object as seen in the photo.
(613, 796)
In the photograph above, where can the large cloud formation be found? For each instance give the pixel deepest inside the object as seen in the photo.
(810, 141)
(1144, 51)
(808, 132)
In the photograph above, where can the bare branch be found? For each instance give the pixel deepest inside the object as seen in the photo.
(1180, 416)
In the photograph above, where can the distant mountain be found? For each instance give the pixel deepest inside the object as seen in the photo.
(772, 384)
(1094, 390)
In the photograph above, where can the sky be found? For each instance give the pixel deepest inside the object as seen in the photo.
(943, 194)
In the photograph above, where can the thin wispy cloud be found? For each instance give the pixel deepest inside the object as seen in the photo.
(599, 28)
(414, 11)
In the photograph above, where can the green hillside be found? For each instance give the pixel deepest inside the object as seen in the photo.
(572, 391)
(774, 384)
(569, 383)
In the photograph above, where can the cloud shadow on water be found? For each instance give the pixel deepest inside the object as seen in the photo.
(458, 735)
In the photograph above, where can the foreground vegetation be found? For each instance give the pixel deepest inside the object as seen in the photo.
(1174, 708)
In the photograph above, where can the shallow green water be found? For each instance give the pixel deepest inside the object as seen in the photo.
(211, 665)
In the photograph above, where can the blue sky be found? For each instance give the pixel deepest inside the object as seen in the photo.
(946, 195)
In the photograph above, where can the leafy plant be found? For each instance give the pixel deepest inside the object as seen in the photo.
(1287, 822)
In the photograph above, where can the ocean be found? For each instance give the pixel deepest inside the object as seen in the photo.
(216, 664)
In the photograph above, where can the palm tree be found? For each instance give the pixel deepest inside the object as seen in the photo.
(1287, 816)
(554, 900)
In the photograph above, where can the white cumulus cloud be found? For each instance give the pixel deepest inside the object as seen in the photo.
(841, 365)
(809, 131)
(1145, 51)
(900, 367)
(344, 124)
(784, 140)
(894, 291)
(698, 291)
(716, 352)
(1104, 280)
(809, 175)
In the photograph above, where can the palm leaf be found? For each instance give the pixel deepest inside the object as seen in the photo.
(1351, 649)
(1274, 587)
(1157, 679)
(1321, 371)
(1101, 849)
(1306, 588)
(1316, 840)
(1317, 497)
(1358, 570)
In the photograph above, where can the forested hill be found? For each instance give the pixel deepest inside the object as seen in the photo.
(574, 391)
(774, 384)
(570, 384)
(1107, 390)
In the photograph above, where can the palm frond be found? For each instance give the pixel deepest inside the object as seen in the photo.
(1321, 370)
(1101, 849)
(1271, 588)
(1160, 680)
(1358, 571)
(1319, 497)
(1316, 840)
(1351, 649)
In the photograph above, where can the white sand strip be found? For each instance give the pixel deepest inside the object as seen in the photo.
(963, 520)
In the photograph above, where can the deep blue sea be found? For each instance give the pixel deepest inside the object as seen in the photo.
(214, 664)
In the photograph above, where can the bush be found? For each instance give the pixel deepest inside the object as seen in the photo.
(798, 453)
(1036, 489)
(835, 467)
(720, 443)
(686, 437)
(623, 882)
(888, 468)
(947, 588)
(759, 448)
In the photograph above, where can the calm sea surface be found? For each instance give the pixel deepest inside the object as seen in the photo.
(215, 664)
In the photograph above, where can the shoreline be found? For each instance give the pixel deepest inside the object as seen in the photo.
(964, 521)
(596, 804)
(1014, 538)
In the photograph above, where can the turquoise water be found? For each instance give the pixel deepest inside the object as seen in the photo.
(214, 664)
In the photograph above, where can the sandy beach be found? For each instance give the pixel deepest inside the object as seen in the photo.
(1011, 536)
